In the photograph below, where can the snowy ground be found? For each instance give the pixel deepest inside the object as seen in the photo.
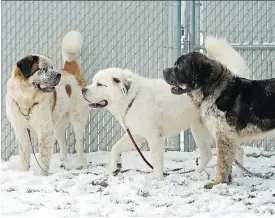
(90, 192)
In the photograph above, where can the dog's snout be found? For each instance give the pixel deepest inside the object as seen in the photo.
(166, 70)
(58, 75)
(84, 90)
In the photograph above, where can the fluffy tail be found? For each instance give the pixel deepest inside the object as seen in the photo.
(71, 48)
(227, 55)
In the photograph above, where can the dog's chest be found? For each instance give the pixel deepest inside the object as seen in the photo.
(212, 117)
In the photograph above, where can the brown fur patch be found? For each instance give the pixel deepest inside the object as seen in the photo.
(54, 100)
(74, 68)
(68, 89)
(18, 74)
(225, 158)
(21, 70)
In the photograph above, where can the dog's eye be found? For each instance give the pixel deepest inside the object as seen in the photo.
(99, 84)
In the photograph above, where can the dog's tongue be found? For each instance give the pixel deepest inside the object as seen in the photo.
(101, 102)
(43, 86)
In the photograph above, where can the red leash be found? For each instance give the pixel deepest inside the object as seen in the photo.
(131, 137)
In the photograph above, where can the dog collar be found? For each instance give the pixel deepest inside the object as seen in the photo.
(27, 116)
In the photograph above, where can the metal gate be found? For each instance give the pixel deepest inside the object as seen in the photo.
(248, 25)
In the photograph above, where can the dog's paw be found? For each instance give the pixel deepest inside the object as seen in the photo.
(115, 168)
(80, 162)
(157, 175)
(202, 164)
(239, 172)
(211, 184)
(64, 165)
(25, 167)
(199, 169)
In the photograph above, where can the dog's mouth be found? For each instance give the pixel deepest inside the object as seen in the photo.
(179, 89)
(44, 88)
(100, 104)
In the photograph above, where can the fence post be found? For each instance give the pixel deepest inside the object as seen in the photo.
(190, 40)
(174, 44)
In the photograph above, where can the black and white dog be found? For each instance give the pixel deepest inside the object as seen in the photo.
(234, 109)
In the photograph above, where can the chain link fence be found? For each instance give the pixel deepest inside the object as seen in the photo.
(126, 34)
(140, 35)
(249, 26)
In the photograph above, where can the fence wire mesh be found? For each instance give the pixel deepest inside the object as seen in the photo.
(135, 35)
(249, 26)
(126, 34)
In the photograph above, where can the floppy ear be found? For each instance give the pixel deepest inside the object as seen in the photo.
(28, 65)
(124, 83)
(202, 68)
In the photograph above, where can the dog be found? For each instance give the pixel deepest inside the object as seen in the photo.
(45, 100)
(151, 112)
(234, 109)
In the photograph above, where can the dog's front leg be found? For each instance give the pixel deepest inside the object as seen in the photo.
(157, 152)
(225, 157)
(46, 142)
(23, 141)
(121, 146)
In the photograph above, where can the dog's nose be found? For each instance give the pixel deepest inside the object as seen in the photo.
(84, 90)
(58, 76)
(166, 70)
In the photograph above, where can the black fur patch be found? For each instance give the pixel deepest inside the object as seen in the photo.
(28, 65)
(249, 101)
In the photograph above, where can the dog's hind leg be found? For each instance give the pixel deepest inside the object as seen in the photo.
(59, 134)
(157, 151)
(203, 140)
(124, 144)
(225, 157)
(78, 123)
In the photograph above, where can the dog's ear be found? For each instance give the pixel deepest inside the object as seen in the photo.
(28, 65)
(124, 83)
(201, 69)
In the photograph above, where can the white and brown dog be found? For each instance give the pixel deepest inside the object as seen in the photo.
(45, 100)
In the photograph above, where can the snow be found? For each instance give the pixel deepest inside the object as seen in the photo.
(91, 192)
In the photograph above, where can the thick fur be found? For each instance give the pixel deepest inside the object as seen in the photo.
(154, 114)
(30, 89)
(234, 109)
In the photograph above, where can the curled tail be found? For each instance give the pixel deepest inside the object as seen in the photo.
(71, 48)
(227, 55)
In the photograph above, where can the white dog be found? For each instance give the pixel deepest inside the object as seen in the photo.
(151, 111)
(44, 100)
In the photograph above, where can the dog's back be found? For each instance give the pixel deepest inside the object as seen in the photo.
(68, 92)
(249, 102)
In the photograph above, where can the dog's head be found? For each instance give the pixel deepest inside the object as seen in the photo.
(38, 71)
(109, 86)
(190, 72)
